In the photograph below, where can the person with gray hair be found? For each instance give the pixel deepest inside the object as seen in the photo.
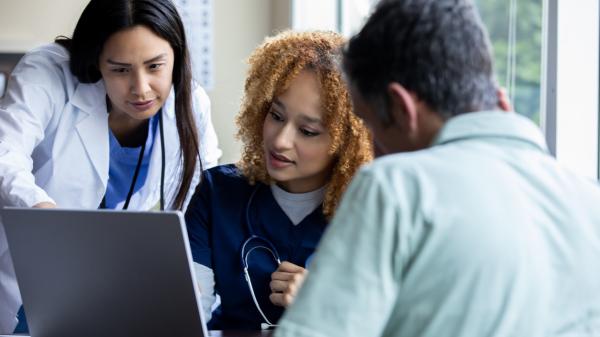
(467, 226)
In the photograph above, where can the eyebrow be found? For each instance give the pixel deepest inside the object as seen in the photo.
(304, 117)
(154, 59)
(279, 104)
(311, 120)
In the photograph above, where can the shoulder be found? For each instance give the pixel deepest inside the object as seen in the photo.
(390, 168)
(394, 180)
(48, 64)
(415, 165)
(224, 183)
(225, 176)
(51, 56)
(52, 52)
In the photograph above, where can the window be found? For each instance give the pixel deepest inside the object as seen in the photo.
(571, 84)
(354, 13)
(548, 63)
(315, 14)
(515, 29)
(343, 16)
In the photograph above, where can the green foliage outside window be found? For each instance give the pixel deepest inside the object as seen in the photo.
(495, 15)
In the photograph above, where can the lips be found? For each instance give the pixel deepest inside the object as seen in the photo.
(142, 105)
(279, 161)
(281, 157)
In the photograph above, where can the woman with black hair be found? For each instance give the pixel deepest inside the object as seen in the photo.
(109, 118)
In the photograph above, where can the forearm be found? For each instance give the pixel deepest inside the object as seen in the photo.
(17, 183)
(206, 283)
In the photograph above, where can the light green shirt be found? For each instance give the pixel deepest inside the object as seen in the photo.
(482, 234)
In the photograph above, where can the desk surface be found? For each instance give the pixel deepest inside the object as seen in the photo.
(230, 333)
(226, 333)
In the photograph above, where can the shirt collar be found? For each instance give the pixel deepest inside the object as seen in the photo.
(280, 193)
(90, 97)
(496, 124)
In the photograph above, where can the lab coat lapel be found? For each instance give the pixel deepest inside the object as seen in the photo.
(92, 125)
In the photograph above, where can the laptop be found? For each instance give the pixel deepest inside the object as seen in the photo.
(104, 273)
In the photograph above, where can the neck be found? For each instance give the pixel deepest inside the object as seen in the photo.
(430, 124)
(128, 131)
(296, 189)
(307, 184)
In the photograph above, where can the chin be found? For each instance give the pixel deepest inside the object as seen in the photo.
(142, 115)
(277, 176)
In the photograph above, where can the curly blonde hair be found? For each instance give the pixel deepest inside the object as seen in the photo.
(273, 65)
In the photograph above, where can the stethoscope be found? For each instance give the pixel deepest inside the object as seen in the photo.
(262, 243)
(139, 166)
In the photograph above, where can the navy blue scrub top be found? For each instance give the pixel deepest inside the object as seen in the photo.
(217, 228)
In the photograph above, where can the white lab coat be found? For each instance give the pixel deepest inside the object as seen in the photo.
(54, 147)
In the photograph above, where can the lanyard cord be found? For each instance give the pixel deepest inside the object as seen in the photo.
(162, 162)
(134, 180)
(135, 176)
(138, 167)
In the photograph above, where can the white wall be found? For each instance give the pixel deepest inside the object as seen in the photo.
(281, 15)
(239, 27)
(30, 23)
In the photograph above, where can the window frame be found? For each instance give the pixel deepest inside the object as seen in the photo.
(570, 103)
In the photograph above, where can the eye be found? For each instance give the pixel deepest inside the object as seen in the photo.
(119, 70)
(309, 133)
(276, 116)
(155, 66)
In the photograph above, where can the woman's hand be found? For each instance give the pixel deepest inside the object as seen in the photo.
(44, 205)
(285, 283)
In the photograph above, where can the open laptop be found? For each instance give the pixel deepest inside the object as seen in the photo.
(104, 273)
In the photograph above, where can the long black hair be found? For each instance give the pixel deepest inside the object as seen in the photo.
(103, 18)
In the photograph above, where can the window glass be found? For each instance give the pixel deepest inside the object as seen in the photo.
(515, 29)
(514, 26)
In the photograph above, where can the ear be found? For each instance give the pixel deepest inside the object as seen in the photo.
(403, 107)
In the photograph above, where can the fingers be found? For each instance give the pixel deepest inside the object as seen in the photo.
(284, 287)
(281, 299)
(44, 204)
(285, 283)
(289, 267)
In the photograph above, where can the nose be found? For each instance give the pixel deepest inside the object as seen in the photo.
(284, 138)
(139, 84)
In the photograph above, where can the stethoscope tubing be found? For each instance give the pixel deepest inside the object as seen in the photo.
(253, 236)
(266, 245)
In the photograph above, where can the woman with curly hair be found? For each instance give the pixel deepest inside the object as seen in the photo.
(254, 226)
